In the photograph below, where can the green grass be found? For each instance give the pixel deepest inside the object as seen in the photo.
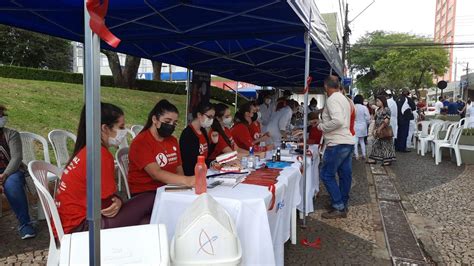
(41, 106)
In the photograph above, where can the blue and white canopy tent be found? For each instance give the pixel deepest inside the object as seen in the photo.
(263, 42)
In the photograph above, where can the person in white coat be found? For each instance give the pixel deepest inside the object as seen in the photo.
(392, 105)
(280, 122)
(362, 121)
(267, 108)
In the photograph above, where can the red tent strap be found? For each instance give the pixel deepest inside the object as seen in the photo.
(308, 81)
(272, 202)
(97, 14)
(316, 244)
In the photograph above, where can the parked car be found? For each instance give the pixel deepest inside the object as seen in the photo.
(430, 110)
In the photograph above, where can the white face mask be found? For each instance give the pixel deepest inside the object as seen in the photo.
(121, 134)
(259, 115)
(227, 122)
(207, 123)
(3, 121)
(268, 101)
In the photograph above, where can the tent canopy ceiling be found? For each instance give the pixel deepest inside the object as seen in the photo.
(256, 41)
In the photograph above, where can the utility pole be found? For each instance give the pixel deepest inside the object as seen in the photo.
(467, 80)
(345, 38)
(455, 77)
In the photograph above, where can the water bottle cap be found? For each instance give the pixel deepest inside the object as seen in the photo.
(201, 159)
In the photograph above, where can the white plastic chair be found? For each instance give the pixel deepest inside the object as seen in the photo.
(58, 139)
(136, 129)
(424, 140)
(452, 144)
(446, 139)
(424, 128)
(39, 172)
(462, 123)
(121, 157)
(28, 143)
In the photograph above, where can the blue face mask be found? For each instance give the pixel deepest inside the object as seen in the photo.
(3, 121)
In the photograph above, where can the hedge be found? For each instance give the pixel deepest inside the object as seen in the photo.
(108, 81)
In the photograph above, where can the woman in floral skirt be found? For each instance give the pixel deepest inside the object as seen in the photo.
(382, 148)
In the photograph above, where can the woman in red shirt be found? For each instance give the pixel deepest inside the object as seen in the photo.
(241, 129)
(194, 139)
(220, 132)
(154, 156)
(71, 198)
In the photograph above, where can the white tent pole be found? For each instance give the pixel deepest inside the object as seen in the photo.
(307, 40)
(188, 88)
(93, 114)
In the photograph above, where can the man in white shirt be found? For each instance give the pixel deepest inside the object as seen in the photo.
(335, 125)
(392, 105)
(439, 105)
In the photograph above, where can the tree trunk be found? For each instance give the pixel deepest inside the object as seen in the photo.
(130, 70)
(114, 64)
(156, 70)
(418, 83)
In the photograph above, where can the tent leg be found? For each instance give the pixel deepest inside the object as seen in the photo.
(235, 101)
(188, 88)
(305, 120)
(93, 142)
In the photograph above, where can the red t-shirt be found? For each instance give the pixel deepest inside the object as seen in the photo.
(255, 130)
(315, 135)
(71, 194)
(203, 147)
(145, 149)
(241, 135)
(222, 144)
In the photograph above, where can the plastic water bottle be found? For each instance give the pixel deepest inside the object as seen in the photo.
(278, 154)
(251, 159)
(200, 172)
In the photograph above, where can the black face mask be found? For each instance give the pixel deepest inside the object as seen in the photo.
(254, 117)
(166, 130)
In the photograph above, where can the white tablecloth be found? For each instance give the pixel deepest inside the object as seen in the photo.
(262, 233)
(312, 179)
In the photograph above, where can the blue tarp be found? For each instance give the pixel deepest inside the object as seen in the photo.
(256, 41)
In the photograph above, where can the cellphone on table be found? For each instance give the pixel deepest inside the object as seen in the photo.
(215, 184)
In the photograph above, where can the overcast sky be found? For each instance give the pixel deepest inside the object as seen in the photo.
(412, 16)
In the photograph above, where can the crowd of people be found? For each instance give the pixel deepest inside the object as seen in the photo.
(157, 158)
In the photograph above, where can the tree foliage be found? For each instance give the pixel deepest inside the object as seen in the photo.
(395, 61)
(29, 49)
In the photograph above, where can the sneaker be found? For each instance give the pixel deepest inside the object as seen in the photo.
(334, 214)
(27, 231)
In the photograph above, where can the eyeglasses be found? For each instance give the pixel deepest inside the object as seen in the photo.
(208, 116)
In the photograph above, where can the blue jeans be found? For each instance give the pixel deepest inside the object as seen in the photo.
(338, 159)
(14, 189)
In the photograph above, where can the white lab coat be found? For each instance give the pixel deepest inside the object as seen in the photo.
(392, 105)
(438, 106)
(470, 116)
(266, 112)
(362, 120)
(280, 120)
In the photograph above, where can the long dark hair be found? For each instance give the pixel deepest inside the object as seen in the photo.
(202, 108)
(240, 115)
(216, 125)
(109, 115)
(383, 100)
(160, 108)
(359, 99)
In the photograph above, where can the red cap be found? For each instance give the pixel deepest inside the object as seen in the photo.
(201, 159)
